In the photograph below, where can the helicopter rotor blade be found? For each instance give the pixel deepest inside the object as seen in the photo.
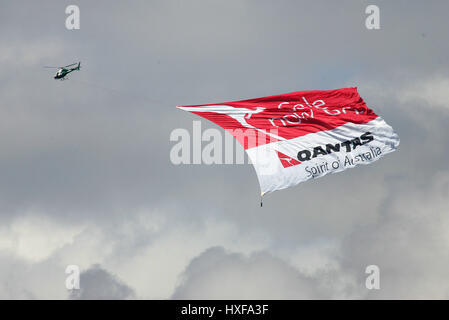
(51, 67)
(70, 65)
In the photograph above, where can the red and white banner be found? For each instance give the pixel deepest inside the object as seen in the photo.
(293, 137)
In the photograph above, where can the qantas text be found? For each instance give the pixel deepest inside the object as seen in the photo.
(348, 146)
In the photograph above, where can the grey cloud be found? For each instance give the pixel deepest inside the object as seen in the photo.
(217, 274)
(409, 243)
(23, 279)
(12, 285)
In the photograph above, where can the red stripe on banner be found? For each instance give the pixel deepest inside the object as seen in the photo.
(255, 122)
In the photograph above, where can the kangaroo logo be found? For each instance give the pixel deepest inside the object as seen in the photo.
(287, 161)
(238, 114)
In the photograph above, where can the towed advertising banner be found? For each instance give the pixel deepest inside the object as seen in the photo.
(294, 137)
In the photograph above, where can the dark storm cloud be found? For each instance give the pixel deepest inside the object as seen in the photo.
(216, 274)
(93, 152)
(97, 283)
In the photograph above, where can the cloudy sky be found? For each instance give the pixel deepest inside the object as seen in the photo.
(86, 177)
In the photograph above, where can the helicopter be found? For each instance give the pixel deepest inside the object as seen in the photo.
(64, 71)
